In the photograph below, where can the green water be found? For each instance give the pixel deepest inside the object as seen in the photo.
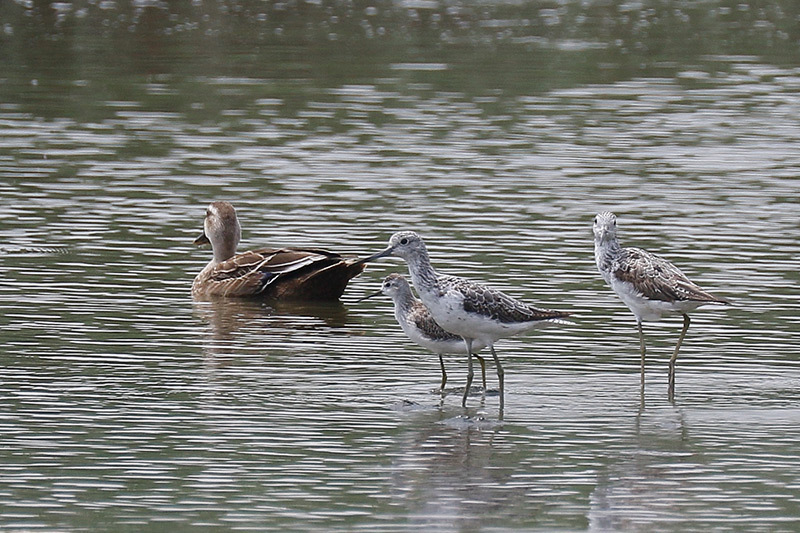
(497, 131)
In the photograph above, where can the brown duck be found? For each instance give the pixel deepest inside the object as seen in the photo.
(279, 273)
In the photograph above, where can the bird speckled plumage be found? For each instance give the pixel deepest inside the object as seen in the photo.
(462, 306)
(656, 278)
(419, 326)
(496, 305)
(465, 308)
(648, 284)
(278, 273)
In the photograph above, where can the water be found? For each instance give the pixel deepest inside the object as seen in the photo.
(497, 133)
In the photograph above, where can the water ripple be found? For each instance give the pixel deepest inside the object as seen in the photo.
(126, 402)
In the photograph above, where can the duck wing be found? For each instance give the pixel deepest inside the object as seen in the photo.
(303, 273)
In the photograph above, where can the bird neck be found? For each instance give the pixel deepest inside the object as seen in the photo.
(605, 252)
(422, 273)
(404, 300)
(224, 247)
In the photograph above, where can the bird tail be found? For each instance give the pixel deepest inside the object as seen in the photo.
(550, 316)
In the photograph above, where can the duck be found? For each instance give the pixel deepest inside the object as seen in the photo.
(420, 327)
(269, 273)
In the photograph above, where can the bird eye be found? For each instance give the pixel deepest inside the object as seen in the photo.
(403, 241)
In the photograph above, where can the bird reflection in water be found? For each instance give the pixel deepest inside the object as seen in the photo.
(231, 321)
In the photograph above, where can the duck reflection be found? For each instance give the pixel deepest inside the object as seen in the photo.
(227, 319)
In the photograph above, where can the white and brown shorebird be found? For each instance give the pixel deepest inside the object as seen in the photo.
(470, 310)
(649, 285)
(421, 328)
(279, 273)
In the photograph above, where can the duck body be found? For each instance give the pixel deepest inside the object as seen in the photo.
(285, 273)
(272, 273)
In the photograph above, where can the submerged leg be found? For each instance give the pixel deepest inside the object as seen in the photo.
(482, 362)
(444, 374)
(470, 372)
(500, 374)
(674, 358)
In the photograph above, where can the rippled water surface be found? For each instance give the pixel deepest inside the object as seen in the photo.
(497, 133)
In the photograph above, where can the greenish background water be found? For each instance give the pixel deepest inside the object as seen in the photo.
(495, 129)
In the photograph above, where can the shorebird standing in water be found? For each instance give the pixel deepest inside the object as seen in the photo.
(473, 311)
(649, 285)
(421, 328)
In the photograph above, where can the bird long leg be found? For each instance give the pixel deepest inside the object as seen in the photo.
(641, 345)
(674, 358)
(500, 374)
(444, 374)
(482, 362)
(470, 372)
(642, 348)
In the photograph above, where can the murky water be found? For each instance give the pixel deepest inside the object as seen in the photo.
(495, 133)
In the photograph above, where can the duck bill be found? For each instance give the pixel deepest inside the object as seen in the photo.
(368, 296)
(373, 257)
(201, 240)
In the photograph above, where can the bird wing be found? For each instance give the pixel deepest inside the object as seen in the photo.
(311, 273)
(253, 271)
(424, 322)
(495, 304)
(658, 279)
(290, 254)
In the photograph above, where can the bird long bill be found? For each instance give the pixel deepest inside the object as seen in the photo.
(373, 257)
(202, 239)
(368, 296)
